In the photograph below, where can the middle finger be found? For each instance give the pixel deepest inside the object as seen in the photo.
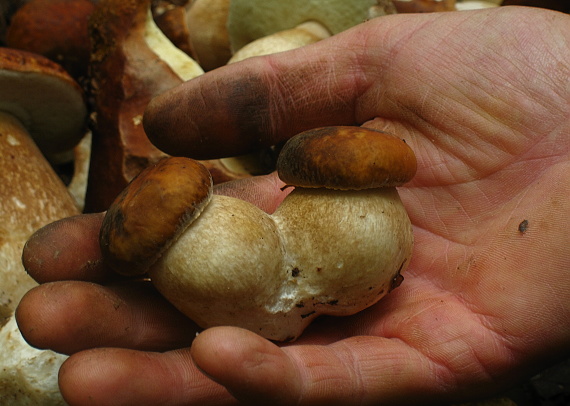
(71, 316)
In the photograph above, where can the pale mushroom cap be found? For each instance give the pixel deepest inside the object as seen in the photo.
(252, 19)
(46, 100)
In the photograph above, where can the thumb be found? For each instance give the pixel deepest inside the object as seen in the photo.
(252, 369)
(361, 370)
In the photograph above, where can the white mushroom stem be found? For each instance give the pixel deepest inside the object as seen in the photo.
(32, 195)
(183, 65)
(304, 34)
(28, 376)
(322, 252)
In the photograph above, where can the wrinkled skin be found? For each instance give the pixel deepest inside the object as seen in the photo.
(483, 98)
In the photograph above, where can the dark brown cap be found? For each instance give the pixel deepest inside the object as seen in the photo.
(346, 157)
(151, 212)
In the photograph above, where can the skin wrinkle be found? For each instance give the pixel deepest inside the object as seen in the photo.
(320, 375)
(455, 365)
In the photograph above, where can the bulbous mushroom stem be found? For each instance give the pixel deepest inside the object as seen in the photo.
(323, 251)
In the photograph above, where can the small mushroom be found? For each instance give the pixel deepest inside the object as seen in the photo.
(336, 244)
(170, 18)
(249, 20)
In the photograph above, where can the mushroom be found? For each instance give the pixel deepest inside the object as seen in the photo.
(40, 105)
(43, 98)
(314, 29)
(132, 61)
(56, 29)
(336, 244)
(38, 101)
(171, 20)
(249, 20)
(28, 376)
(301, 35)
(463, 5)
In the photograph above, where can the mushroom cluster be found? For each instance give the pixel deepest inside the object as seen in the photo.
(336, 245)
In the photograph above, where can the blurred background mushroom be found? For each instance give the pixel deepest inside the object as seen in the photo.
(42, 111)
(56, 29)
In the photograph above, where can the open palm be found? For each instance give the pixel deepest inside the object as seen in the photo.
(483, 98)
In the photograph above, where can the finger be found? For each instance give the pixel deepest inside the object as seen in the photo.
(67, 249)
(263, 101)
(110, 376)
(253, 359)
(72, 316)
(360, 370)
(265, 192)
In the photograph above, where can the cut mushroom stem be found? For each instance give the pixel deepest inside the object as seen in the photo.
(336, 244)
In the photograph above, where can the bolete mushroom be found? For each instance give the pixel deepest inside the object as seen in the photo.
(336, 244)
(40, 105)
(38, 101)
(132, 61)
(249, 20)
(56, 29)
(41, 96)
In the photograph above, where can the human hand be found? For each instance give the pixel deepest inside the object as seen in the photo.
(483, 99)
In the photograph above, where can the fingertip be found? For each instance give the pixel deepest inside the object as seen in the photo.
(260, 372)
(67, 249)
(25, 315)
(222, 113)
(95, 376)
(114, 376)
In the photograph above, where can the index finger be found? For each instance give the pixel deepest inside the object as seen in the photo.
(69, 249)
(259, 102)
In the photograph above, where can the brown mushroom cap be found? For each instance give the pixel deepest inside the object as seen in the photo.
(56, 29)
(44, 97)
(346, 157)
(152, 211)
